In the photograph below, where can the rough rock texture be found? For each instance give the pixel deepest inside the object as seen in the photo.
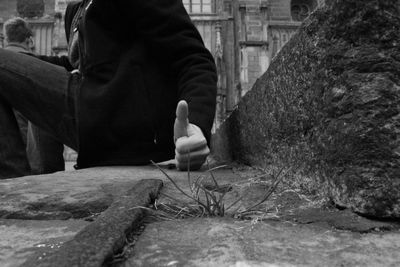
(225, 242)
(22, 239)
(62, 195)
(39, 214)
(291, 219)
(107, 235)
(329, 105)
(81, 194)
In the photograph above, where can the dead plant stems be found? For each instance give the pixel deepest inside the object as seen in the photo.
(210, 202)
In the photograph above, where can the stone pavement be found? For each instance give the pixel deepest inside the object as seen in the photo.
(22, 238)
(79, 216)
(226, 242)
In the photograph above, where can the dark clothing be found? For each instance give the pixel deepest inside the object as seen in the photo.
(23, 126)
(22, 121)
(44, 152)
(45, 94)
(138, 59)
(17, 48)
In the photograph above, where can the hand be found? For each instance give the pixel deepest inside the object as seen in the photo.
(191, 148)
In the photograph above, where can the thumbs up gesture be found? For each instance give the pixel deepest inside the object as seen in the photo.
(191, 148)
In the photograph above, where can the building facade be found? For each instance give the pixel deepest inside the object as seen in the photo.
(242, 35)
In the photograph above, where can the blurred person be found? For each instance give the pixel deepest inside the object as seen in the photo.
(138, 85)
(18, 38)
(44, 152)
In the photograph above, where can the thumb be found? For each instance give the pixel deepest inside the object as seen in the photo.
(181, 121)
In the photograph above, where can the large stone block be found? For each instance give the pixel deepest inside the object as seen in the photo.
(329, 105)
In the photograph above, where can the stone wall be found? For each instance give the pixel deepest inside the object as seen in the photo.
(8, 9)
(329, 107)
(279, 9)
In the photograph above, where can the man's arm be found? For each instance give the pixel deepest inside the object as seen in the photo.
(169, 31)
(191, 148)
(62, 61)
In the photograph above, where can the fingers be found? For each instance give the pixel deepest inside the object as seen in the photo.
(199, 155)
(181, 121)
(191, 150)
(192, 159)
(190, 144)
(182, 111)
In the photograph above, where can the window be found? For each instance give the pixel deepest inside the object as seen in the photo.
(228, 7)
(301, 9)
(198, 6)
(300, 12)
(1, 38)
(284, 38)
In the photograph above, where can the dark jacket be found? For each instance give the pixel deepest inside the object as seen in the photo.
(138, 59)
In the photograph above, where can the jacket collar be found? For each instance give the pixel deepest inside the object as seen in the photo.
(17, 47)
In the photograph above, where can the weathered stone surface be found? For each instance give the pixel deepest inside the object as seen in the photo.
(56, 240)
(30, 8)
(291, 220)
(340, 220)
(21, 239)
(62, 195)
(83, 193)
(84, 190)
(329, 106)
(107, 234)
(224, 242)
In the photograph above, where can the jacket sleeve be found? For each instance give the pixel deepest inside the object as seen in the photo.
(169, 30)
(62, 61)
